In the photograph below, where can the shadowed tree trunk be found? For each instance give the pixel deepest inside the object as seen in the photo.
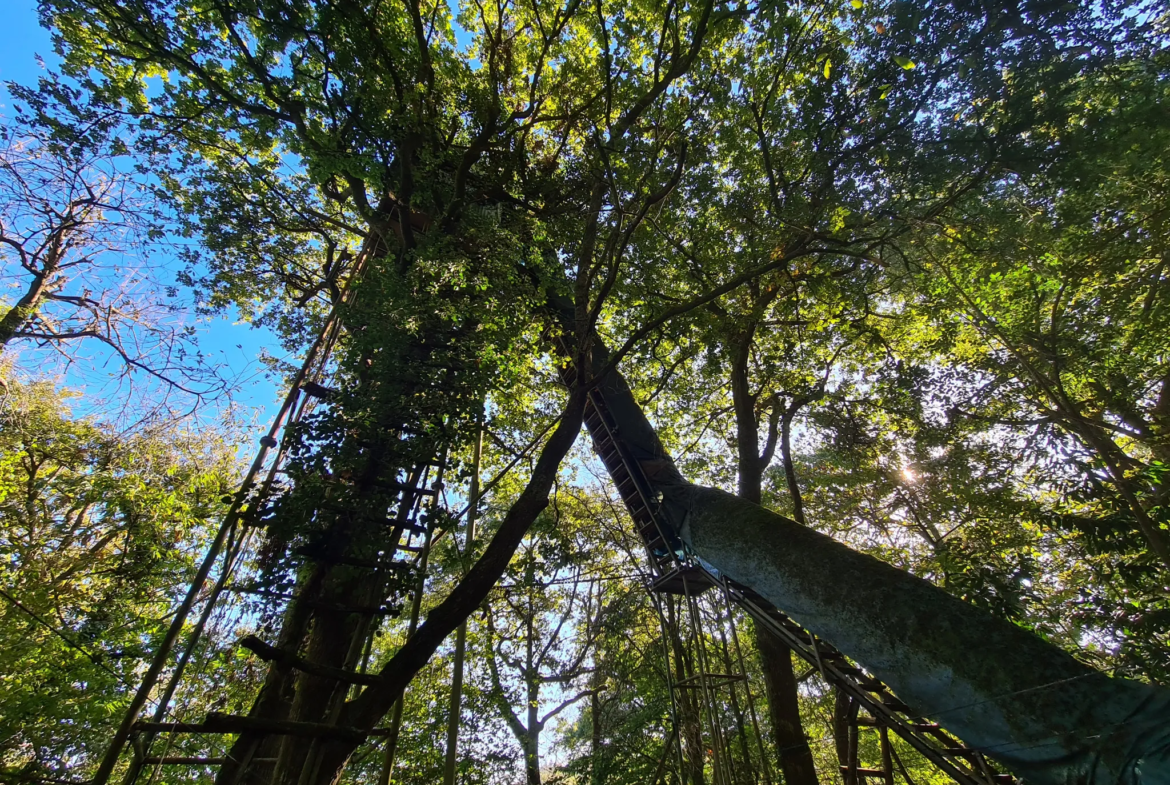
(792, 750)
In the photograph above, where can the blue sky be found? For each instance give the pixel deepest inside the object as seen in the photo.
(235, 345)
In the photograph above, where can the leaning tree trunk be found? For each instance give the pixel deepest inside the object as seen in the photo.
(41, 285)
(1000, 688)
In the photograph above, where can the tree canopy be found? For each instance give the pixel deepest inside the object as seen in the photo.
(897, 270)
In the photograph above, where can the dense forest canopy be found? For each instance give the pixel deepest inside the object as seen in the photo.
(896, 270)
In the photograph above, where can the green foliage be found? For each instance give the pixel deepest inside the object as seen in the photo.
(912, 256)
(100, 533)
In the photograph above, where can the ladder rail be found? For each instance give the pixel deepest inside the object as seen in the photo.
(595, 406)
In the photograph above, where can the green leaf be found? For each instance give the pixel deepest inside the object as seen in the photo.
(885, 90)
(906, 63)
(857, 3)
(828, 68)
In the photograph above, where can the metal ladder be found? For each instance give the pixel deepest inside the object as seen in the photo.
(670, 563)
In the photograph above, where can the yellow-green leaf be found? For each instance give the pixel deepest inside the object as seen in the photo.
(828, 68)
(906, 63)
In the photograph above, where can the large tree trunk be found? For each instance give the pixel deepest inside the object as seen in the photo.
(321, 624)
(1000, 688)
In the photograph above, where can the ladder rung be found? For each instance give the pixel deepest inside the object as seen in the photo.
(893, 704)
(965, 752)
(367, 610)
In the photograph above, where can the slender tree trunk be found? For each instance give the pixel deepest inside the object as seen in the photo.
(796, 761)
(842, 708)
(30, 302)
(792, 750)
(596, 775)
(531, 736)
(455, 706)
(687, 703)
(790, 467)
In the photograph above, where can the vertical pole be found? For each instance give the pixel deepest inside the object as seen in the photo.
(667, 632)
(887, 759)
(415, 611)
(718, 749)
(854, 752)
(746, 683)
(732, 696)
(461, 634)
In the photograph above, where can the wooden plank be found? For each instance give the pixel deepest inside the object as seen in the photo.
(216, 723)
(273, 654)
